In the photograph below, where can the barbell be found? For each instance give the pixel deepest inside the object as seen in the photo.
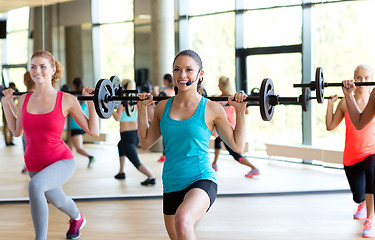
(303, 100)
(117, 88)
(318, 85)
(105, 97)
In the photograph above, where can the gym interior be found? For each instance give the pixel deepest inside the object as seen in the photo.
(301, 191)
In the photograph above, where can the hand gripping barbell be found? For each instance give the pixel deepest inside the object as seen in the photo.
(105, 97)
(318, 85)
(116, 87)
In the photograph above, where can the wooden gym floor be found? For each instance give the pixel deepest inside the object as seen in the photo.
(287, 201)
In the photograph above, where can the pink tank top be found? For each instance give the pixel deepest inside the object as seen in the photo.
(43, 133)
(359, 144)
(231, 115)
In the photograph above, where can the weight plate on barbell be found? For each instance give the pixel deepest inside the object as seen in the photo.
(305, 99)
(319, 85)
(129, 108)
(117, 89)
(103, 90)
(266, 109)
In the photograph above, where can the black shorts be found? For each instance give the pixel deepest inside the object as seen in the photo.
(361, 178)
(172, 200)
(74, 132)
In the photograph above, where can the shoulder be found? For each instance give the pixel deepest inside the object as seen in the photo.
(69, 100)
(67, 96)
(342, 105)
(21, 99)
(214, 108)
(213, 105)
(161, 105)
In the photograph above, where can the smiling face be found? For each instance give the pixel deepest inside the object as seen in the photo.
(186, 69)
(41, 70)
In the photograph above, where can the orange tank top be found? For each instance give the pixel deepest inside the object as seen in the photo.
(359, 144)
(231, 115)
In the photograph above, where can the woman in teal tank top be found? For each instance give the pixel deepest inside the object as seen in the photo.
(186, 122)
(127, 146)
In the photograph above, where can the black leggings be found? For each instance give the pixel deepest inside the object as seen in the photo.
(127, 146)
(234, 154)
(361, 178)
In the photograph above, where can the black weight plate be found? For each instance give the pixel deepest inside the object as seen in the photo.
(103, 90)
(117, 89)
(319, 85)
(130, 108)
(305, 99)
(266, 90)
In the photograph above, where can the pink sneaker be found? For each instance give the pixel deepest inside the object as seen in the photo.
(369, 229)
(252, 173)
(75, 226)
(361, 212)
(161, 159)
(214, 166)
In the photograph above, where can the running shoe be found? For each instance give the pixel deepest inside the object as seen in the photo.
(161, 159)
(120, 176)
(214, 166)
(148, 181)
(361, 212)
(91, 161)
(252, 173)
(368, 230)
(75, 226)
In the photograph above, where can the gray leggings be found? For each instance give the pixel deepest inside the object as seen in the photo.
(46, 185)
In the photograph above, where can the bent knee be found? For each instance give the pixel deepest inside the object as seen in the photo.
(35, 187)
(183, 223)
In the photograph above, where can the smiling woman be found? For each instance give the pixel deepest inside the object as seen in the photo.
(41, 116)
(189, 182)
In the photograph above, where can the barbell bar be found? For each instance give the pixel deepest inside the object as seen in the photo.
(70, 92)
(318, 85)
(105, 96)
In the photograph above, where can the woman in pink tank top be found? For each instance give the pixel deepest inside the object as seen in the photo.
(41, 116)
(359, 151)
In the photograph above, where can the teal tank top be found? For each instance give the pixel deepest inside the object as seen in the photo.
(126, 118)
(72, 124)
(186, 149)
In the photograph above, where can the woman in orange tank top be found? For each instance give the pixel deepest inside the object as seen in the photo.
(226, 90)
(359, 151)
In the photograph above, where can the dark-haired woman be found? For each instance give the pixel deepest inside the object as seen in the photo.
(186, 122)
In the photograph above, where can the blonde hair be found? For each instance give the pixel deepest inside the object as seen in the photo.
(226, 85)
(128, 84)
(363, 66)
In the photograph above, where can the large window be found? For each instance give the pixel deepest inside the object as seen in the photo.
(215, 45)
(117, 50)
(17, 45)
(343, 38)
(273, 27)
(283, 70)
(116, 46)
(197, 7)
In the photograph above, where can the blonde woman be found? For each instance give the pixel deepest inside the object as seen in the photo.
(226, 90)
(359, 151)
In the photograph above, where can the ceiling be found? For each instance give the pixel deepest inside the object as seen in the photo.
(7, 5)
